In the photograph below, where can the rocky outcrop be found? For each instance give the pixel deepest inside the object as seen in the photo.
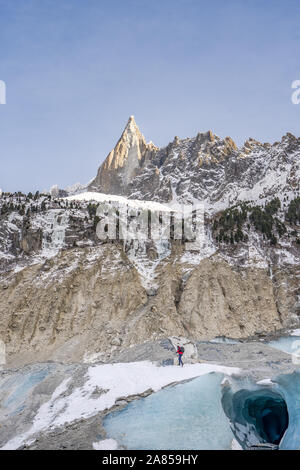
(124, 161)
(217, 300)
(31, 239)
(91, 302)
(204, 168)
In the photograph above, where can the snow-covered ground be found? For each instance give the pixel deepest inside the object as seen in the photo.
(134, 203)
(115, 381)
(105, 444)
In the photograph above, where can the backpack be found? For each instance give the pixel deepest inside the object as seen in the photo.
(182, 349)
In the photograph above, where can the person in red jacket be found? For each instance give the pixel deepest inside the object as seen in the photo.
(179, 352)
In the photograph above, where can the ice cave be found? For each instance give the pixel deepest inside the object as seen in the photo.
(213, 412)
(266, 412)
(257, 416)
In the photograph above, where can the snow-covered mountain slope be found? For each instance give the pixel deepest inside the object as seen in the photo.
(66, 293)
(204, 169)
(121, 200)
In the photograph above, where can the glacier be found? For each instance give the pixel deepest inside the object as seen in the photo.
(288, 344)
(212, 412)
(186, 416)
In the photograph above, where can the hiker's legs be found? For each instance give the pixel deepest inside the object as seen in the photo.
(180, 360)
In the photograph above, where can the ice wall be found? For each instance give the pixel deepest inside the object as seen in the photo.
(264, 413)
(186, 416)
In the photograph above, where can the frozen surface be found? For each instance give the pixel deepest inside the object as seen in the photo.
(288, 344)
(295, 332)
(186, 416)
(257, 412)
(100, 197)
(290, 387)
(115, 381)
(55, 225)
(17, 388)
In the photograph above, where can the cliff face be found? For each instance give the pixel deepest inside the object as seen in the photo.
(92, 302)
(124, 161)
(205, 168)
(66, 295)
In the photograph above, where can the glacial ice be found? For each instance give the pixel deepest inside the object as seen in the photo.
(15, 390)
(186, 416)
(210, 413)
(288, 344)
(290, 386)
(264, 414)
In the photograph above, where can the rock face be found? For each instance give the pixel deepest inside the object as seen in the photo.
(124, 161)
(90, 302)
(206, 168)
(65, 295)
(217, 300)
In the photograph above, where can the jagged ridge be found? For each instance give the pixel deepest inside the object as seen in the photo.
(205, 168)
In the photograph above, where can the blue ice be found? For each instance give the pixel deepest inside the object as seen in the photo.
(288, 344)
(19, 386)
(186, 416)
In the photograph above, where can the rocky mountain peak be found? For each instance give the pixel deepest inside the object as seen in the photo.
(205, 137)
(205, 168)
(132, 132)
(129, 148)
(288, 136)
(124, 161)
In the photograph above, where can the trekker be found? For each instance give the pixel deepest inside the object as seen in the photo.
(179, 352)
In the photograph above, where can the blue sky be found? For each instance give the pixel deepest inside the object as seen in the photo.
(75, 70)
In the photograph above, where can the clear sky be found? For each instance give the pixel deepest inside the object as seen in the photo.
(75, 70)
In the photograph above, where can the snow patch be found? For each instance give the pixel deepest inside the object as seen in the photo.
(134, 203)
(106, 444)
